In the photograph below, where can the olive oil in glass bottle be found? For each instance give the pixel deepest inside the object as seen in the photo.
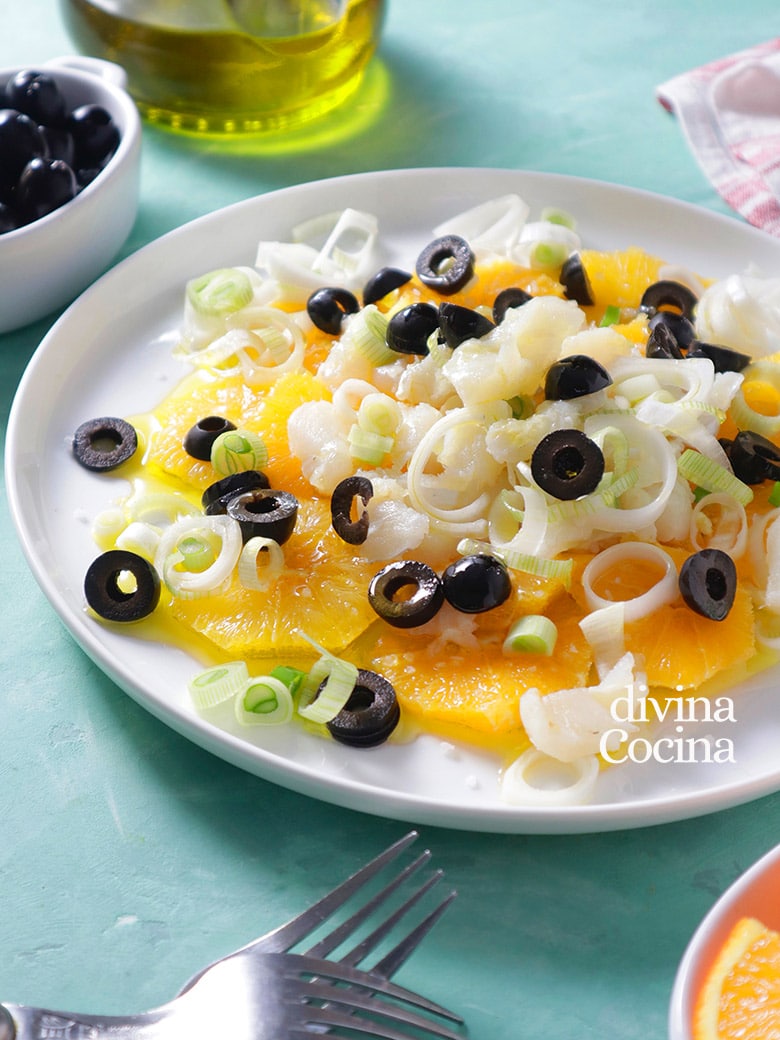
(231, 66)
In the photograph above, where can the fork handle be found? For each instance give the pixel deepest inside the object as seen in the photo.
(19, 1022)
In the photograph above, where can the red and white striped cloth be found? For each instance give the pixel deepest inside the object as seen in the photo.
(729, 112)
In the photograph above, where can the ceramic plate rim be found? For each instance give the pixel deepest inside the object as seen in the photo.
(470, 183)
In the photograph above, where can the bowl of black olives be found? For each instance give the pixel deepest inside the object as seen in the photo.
(70, 141)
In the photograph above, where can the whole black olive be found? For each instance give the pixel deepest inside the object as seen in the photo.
(264, 513)
(476, 583)
(327, 308)
(37, 95)
(458, 324)
(10, 220)
(708, 583)
(122, 586)
(567, 464)
(753, 458)
(446, 264)
(508, 298)
(353, 532)
(370, 715)
(105, 443)
(677, 324)
(670, 294)
(724, 359)
(199, 438)
(383, 282)
(216, 496)
(412, 608)
(20, 141)
(95, 135)
(408, 329)
(575, 281)
(45, 185)
(575, 376)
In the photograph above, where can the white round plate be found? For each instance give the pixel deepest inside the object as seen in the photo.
(110, 354)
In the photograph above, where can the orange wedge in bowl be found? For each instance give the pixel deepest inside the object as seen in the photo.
(740, 997)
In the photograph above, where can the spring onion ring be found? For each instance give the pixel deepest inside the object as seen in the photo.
(537, 779)
(624, 554)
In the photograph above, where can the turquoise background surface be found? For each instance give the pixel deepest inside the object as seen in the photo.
(128, 856)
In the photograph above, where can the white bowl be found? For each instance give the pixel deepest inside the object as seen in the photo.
(47, 263)
(755, 894)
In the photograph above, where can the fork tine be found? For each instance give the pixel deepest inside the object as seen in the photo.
(316, 969)
(392, 1023)
(392, 961)
(287, 935)
(337, 936)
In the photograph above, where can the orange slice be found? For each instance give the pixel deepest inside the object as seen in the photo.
(619, 278)
(321, 592)
(741, 993)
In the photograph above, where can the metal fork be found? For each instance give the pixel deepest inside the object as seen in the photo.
(265, 991)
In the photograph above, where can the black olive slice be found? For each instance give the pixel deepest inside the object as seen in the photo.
(216, 496)
(200, 437)
(575, 281)
(662, 343)
(327, 307)
(567, 464)
(670, 294)
(476, 583)
(370, 715)
(383, 282)
(753, 458)
(104, 580)
(724, 359)
(104, 443)
(353, 532)
(409, 329)
(708, 583)
(264, 513)
(406, 611)
(575, 376)
(677, 324)
(458, 324)
(508, 299)
(446, 264)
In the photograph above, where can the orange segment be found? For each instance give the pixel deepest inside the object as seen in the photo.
(479, 688)
(620, 278)
(321, 591)
(264, 412)
(741, 994)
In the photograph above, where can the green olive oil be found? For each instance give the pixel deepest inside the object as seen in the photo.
(231, 66)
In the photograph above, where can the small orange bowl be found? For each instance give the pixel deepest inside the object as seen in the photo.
(755, 894)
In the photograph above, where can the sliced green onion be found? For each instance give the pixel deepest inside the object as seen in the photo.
(699, 493)
(606, 496)
(706, 473)
(339, 678)
(549, 254)
(516, 561)
(197, 552)
(218, 684)
(291, 677)
(367, 332)
(611, 316)
(219, 292)
(249, 567)
(379, 414)
(522, 406)
(553, 215)
(108, 525)
(538, 779)
(275, 342)
(238, 450)
(186, 584)
(532, 634)
(774, 495)
(264, 701)
(367, 446)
